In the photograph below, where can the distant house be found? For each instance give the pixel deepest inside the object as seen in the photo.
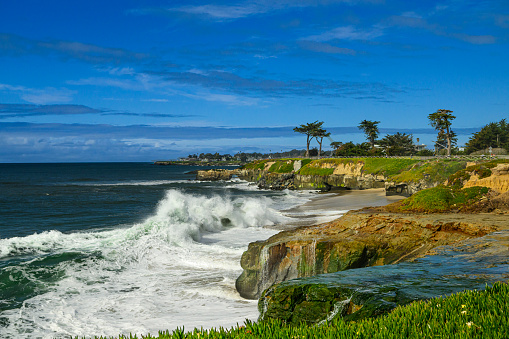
(420, 147)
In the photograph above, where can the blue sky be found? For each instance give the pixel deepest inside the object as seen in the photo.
(145, 80)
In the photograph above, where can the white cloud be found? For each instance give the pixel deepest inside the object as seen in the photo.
(38, 96)
(347, 33)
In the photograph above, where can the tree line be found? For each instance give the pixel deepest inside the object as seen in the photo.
(495, 134)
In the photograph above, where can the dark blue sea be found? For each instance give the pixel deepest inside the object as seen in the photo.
(116, 248)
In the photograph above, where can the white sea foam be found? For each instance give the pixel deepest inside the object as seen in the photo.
(136, 183)
(175, 269)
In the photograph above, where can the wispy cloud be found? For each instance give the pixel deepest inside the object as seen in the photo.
(246, 8)
(270, 88)
(11, 44)
(28, 110)
(347, 33)
(412, 20)
(40, 96)
(325, 48)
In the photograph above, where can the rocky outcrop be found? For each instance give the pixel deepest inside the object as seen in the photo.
(498, 180)
(328, 182)
(408, 188)
(356, 240)
(276, 181)
(214, 175)
(372, 291)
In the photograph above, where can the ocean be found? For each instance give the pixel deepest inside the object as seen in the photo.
(102, 249)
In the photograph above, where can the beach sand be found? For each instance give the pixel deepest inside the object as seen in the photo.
(325, 207)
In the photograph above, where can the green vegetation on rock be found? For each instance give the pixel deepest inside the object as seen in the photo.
(255, 165)
(469, 314)
(483, 170)
(439, 199)
(435, 171)
(282, 166)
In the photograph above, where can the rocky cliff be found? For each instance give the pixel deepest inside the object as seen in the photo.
(358, 239)
(398, 176)
(498, 180)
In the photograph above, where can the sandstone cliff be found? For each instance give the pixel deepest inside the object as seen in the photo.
(498, 180)
(403, 176)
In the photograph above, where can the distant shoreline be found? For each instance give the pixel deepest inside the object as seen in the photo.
(196, 163)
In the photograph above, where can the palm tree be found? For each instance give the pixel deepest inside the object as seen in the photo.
(370, 128)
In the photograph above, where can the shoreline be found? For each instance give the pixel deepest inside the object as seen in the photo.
(326, 207)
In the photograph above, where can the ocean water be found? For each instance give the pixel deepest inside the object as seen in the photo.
(118, 248)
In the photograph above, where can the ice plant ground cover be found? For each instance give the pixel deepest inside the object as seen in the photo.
(469, 314)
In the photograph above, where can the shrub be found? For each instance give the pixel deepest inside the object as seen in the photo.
(439, 199)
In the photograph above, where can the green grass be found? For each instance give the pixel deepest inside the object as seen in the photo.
(469, 314)
(388, 167)
(435, 170)
(255, 165)
(439, 199)
(382, 166)
(282, 166)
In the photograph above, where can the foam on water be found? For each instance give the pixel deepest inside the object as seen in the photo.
(177, 268)
(137, 183)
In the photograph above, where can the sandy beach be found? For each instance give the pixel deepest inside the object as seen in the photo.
(328, 206)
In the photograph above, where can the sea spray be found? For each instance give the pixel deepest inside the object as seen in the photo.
(176, 268)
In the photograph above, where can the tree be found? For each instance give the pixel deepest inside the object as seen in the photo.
(494, 134)
(350, 149)
(335, 145)
(441, 121)
(370, 128)
(319, 134)
(398, 144)
(309, 130)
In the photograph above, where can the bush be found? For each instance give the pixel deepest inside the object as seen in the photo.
(439, 199)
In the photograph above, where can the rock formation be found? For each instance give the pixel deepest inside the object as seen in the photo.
(498, 180)
(356, 240)
(214, 175)
(372, 291)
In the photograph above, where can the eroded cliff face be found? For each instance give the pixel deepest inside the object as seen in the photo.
(498, 180)
(356, 240)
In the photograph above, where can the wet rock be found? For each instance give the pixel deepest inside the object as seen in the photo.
(354, 241)
(373, 291)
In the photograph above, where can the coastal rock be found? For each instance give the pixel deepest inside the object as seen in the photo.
(373, 291)
(338, 180)
(276, 181)
(498, 180)
(355, 240)
(214, 175)
(408, 188)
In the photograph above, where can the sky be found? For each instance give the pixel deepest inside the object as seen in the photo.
(123, 80)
